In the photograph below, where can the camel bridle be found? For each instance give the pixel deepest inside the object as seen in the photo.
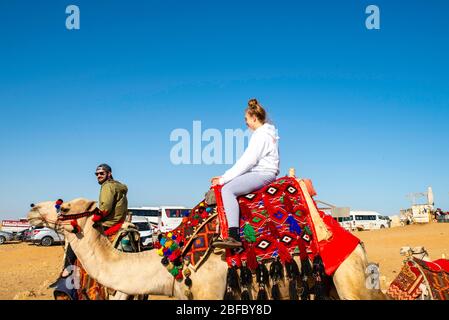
(63, 219)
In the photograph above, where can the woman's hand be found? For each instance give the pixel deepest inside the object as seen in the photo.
(215, 181)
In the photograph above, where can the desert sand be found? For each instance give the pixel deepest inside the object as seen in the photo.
(26, 270)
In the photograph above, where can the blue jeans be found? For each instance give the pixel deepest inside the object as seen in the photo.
(244, 184)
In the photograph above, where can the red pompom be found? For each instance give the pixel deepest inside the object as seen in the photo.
(175, 255)
(179, 276)
(76, 227)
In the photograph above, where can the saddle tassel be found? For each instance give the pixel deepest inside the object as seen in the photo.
(318, 272)
(263, 280)
(251, 258)
(276, 274)
(283, 252)
(246, 280)
(232, 283)
(293, 275)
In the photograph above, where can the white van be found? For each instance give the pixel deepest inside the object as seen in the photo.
(364, 220)
(163, 219)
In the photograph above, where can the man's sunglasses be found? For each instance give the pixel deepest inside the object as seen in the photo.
(100, 173)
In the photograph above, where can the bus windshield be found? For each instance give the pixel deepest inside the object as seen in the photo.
(142, 226)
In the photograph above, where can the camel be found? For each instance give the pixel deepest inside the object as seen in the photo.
(417, 252)
(142, 273)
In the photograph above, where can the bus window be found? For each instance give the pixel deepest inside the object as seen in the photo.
(144, 212)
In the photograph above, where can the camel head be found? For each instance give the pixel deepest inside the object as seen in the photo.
(418, 252)
(45, 214)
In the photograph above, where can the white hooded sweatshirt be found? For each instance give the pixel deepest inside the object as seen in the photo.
(262, 155)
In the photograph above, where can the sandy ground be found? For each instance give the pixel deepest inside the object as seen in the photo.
(26, 270)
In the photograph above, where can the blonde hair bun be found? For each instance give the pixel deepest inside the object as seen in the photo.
(255, 109)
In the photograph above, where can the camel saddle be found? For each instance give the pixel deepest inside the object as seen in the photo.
(418, 276)
(279, 221)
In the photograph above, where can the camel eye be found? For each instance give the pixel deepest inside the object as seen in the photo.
(65, 210)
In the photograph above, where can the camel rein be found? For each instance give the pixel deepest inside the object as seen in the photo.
(61, 217)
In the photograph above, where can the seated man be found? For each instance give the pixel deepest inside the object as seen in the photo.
(113, 205)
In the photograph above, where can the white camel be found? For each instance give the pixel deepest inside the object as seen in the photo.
(143, 273)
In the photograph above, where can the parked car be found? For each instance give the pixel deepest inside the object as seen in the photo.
(5, 236)
(46, 236)
(444, 218)
(25, 235)
(151, 214)
(146, 231)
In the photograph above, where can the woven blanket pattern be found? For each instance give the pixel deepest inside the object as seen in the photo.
(274, 220)
(406, 284)
(415, 272)
(437, 277)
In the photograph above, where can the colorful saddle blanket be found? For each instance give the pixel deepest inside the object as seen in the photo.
(274, 222)
(434, 275)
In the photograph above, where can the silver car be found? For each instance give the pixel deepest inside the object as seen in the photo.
(46, 237)
(5, 236)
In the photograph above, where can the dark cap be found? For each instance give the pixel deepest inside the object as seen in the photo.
(105, 167)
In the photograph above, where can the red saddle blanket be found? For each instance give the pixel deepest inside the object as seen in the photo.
(434, 275)
(275, 222)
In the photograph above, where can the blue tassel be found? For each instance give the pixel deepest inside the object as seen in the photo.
(294, 226)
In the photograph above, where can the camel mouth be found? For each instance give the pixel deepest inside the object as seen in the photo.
(36, 221)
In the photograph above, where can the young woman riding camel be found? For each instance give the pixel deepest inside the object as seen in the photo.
(258, 166)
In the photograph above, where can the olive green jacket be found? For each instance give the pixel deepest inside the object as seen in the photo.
(113, 200)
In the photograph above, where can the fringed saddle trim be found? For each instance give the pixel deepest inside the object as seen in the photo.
(188, 244)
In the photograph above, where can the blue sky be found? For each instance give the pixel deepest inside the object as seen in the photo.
(363, 113)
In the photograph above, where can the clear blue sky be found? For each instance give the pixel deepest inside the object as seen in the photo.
(362, 113)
